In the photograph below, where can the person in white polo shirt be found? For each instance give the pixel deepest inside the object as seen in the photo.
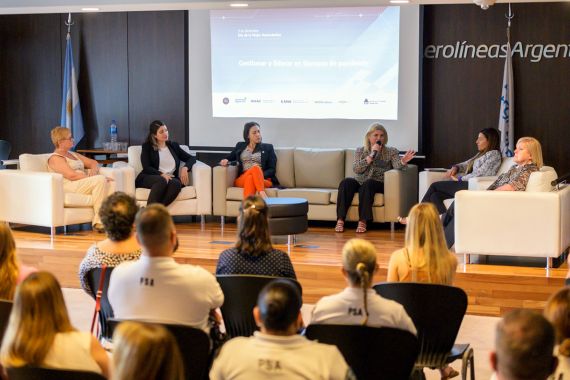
(359, 304)
(156, 288)
(277, 351)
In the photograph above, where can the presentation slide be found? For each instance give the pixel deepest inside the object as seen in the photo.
(307, 63)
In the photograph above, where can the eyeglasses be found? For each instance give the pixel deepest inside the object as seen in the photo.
(68, 138)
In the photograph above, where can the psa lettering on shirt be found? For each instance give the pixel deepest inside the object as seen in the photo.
(354, 311)
(269, 365)
(145, 281)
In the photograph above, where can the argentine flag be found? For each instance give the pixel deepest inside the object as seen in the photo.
(507, 108)
(70, 108)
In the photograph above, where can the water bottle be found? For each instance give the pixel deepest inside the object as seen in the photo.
(113, 131)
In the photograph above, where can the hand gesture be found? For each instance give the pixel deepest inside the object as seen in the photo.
(184, 178)
(451, 172)
(167, 177)
(408, 156)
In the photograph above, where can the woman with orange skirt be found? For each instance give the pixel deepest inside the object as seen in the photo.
(256, 162)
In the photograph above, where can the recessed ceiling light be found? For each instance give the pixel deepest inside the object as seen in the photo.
(90, 9)
(399, 1)
(239, 5)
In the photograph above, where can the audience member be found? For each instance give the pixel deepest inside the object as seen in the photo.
(145, 352)
(425, 256)
(117, 214)
(557, 312)
(256, 162)
(12, 272)
(371, 161)
(254, 253)
(72, 167)
(359, 303)
(160, 159)
(39, 332)
(524, 343)
(277, 351)
(156, 288)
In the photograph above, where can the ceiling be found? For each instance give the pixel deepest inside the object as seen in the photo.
(63, 6)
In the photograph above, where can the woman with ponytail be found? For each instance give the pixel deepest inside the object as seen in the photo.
(359, 304)
(557, 311)
(253, 252)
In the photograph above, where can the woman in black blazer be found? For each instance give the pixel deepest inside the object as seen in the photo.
(160, 160)
(256, 162)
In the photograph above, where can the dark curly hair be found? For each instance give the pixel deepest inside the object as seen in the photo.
(117, 214)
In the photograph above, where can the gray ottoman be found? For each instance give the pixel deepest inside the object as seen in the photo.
(287, 216)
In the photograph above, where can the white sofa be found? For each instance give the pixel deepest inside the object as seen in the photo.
(534, 223)
(314, 174)
(194, 199)
(32, 195)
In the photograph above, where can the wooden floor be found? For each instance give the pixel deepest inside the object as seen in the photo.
(493, 289)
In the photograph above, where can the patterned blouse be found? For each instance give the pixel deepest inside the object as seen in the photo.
(273, 263)
(95, 258)
(485, 165)
(249, 159)
(388, 158)
(517, 177)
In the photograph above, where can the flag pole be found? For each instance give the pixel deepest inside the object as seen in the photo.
(69, 23)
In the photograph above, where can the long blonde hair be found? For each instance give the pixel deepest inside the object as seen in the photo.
(557, 311)
(359, 263)
(371, 129)
(426, 245)
(534, 148)
(38, 314)
(146, 352)
(9, 267)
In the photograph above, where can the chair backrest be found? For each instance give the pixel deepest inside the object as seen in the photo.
(541, 180)
(240, 297)
(106, 311)
(39, 373)
(194, 345)
(372, 353)
(5, 149)
(437, 312)
(34, 162)
(5, 310)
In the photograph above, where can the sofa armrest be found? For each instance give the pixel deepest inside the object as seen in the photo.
(481, 183)
(31, 198)
(202, 182)
(400, 191)
(426, 178)
(511, 223)
(123, 179)
(224, 177)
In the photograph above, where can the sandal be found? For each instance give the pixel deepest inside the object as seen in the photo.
(361, 227)
(339, 226)
(448, 373)
(403, 220)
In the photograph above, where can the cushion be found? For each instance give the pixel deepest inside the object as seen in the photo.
(541, 180)
(34, 162)
(313, 196)
(320, 168)
(188, 192)
(285, 170)
(378, 199)
(236, 193)
(77, 200)
(348, 162)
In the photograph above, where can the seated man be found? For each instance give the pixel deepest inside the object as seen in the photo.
(156, 288)
(277, 351)
(524, 346)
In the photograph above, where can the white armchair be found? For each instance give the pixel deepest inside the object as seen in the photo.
(194, 199)
(32, 195)
(534, 223)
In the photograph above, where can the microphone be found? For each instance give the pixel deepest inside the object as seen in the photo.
(375, 152)
(559, 180)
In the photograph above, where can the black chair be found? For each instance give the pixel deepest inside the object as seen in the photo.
(194, 345)
(240, 297)
(106, 311)
(5, 149)
(39, 373)
(437, 312)
(5, 309)
(372, 353)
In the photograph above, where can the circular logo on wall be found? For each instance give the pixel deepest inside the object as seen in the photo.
(225, 100)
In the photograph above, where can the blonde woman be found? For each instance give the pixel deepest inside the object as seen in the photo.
(425, 257)
(39, 332)
(557, 312)
(358, 303)
(371, 161)
(145, 352)
(80, 174)
(12, 272)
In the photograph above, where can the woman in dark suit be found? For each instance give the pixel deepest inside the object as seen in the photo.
(256, 162)
(160, 160)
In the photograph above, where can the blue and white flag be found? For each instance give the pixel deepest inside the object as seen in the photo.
(70, 107)
(507, 108)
